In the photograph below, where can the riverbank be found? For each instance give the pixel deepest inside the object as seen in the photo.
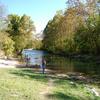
(11, 63)
(75, 76)
(26, 84)
(79, 75)
(80, 57)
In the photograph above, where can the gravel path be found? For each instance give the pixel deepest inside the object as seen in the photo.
(48, 90)
(8, 63)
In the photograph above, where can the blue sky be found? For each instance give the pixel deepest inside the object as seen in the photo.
(41, 11)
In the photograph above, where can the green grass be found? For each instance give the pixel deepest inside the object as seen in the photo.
(25, 84)
(16, 84)
(75, 91)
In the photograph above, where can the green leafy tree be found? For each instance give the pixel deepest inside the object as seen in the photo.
(87, 37)
(76, 31)
(50, 32)
(21, 31)
(6, 44)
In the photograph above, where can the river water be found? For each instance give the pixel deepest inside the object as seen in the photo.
(63, 65)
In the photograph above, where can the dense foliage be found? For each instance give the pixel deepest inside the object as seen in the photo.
(75, 31)
(6, 43)
(21, 31)
(16, 34)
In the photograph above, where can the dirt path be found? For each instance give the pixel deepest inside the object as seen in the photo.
(48, 90)
(8, 63)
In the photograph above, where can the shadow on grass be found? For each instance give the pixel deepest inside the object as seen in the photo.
(30, 74)
(61, 96)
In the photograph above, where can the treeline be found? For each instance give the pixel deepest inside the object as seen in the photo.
(76, 30)
(16, 34)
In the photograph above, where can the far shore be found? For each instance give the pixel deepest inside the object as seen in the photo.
(81, 57)
(14, 63)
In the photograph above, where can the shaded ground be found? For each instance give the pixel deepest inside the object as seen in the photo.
(48, 86)
(29, 84)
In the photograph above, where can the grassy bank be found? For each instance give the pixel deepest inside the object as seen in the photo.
(25, 84)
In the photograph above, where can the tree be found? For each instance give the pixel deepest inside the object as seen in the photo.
(6, 44)
(77, 31)
(21, 31)
(13, 25)
(87, 37)
(50, 32)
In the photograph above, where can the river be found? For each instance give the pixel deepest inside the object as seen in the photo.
(59, 64)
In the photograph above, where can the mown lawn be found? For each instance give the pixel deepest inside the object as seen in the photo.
(25, 84)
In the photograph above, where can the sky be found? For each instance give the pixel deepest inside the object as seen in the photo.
(40, 11)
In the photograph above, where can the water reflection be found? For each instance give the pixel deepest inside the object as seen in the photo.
(34, 56)
(62, 64)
